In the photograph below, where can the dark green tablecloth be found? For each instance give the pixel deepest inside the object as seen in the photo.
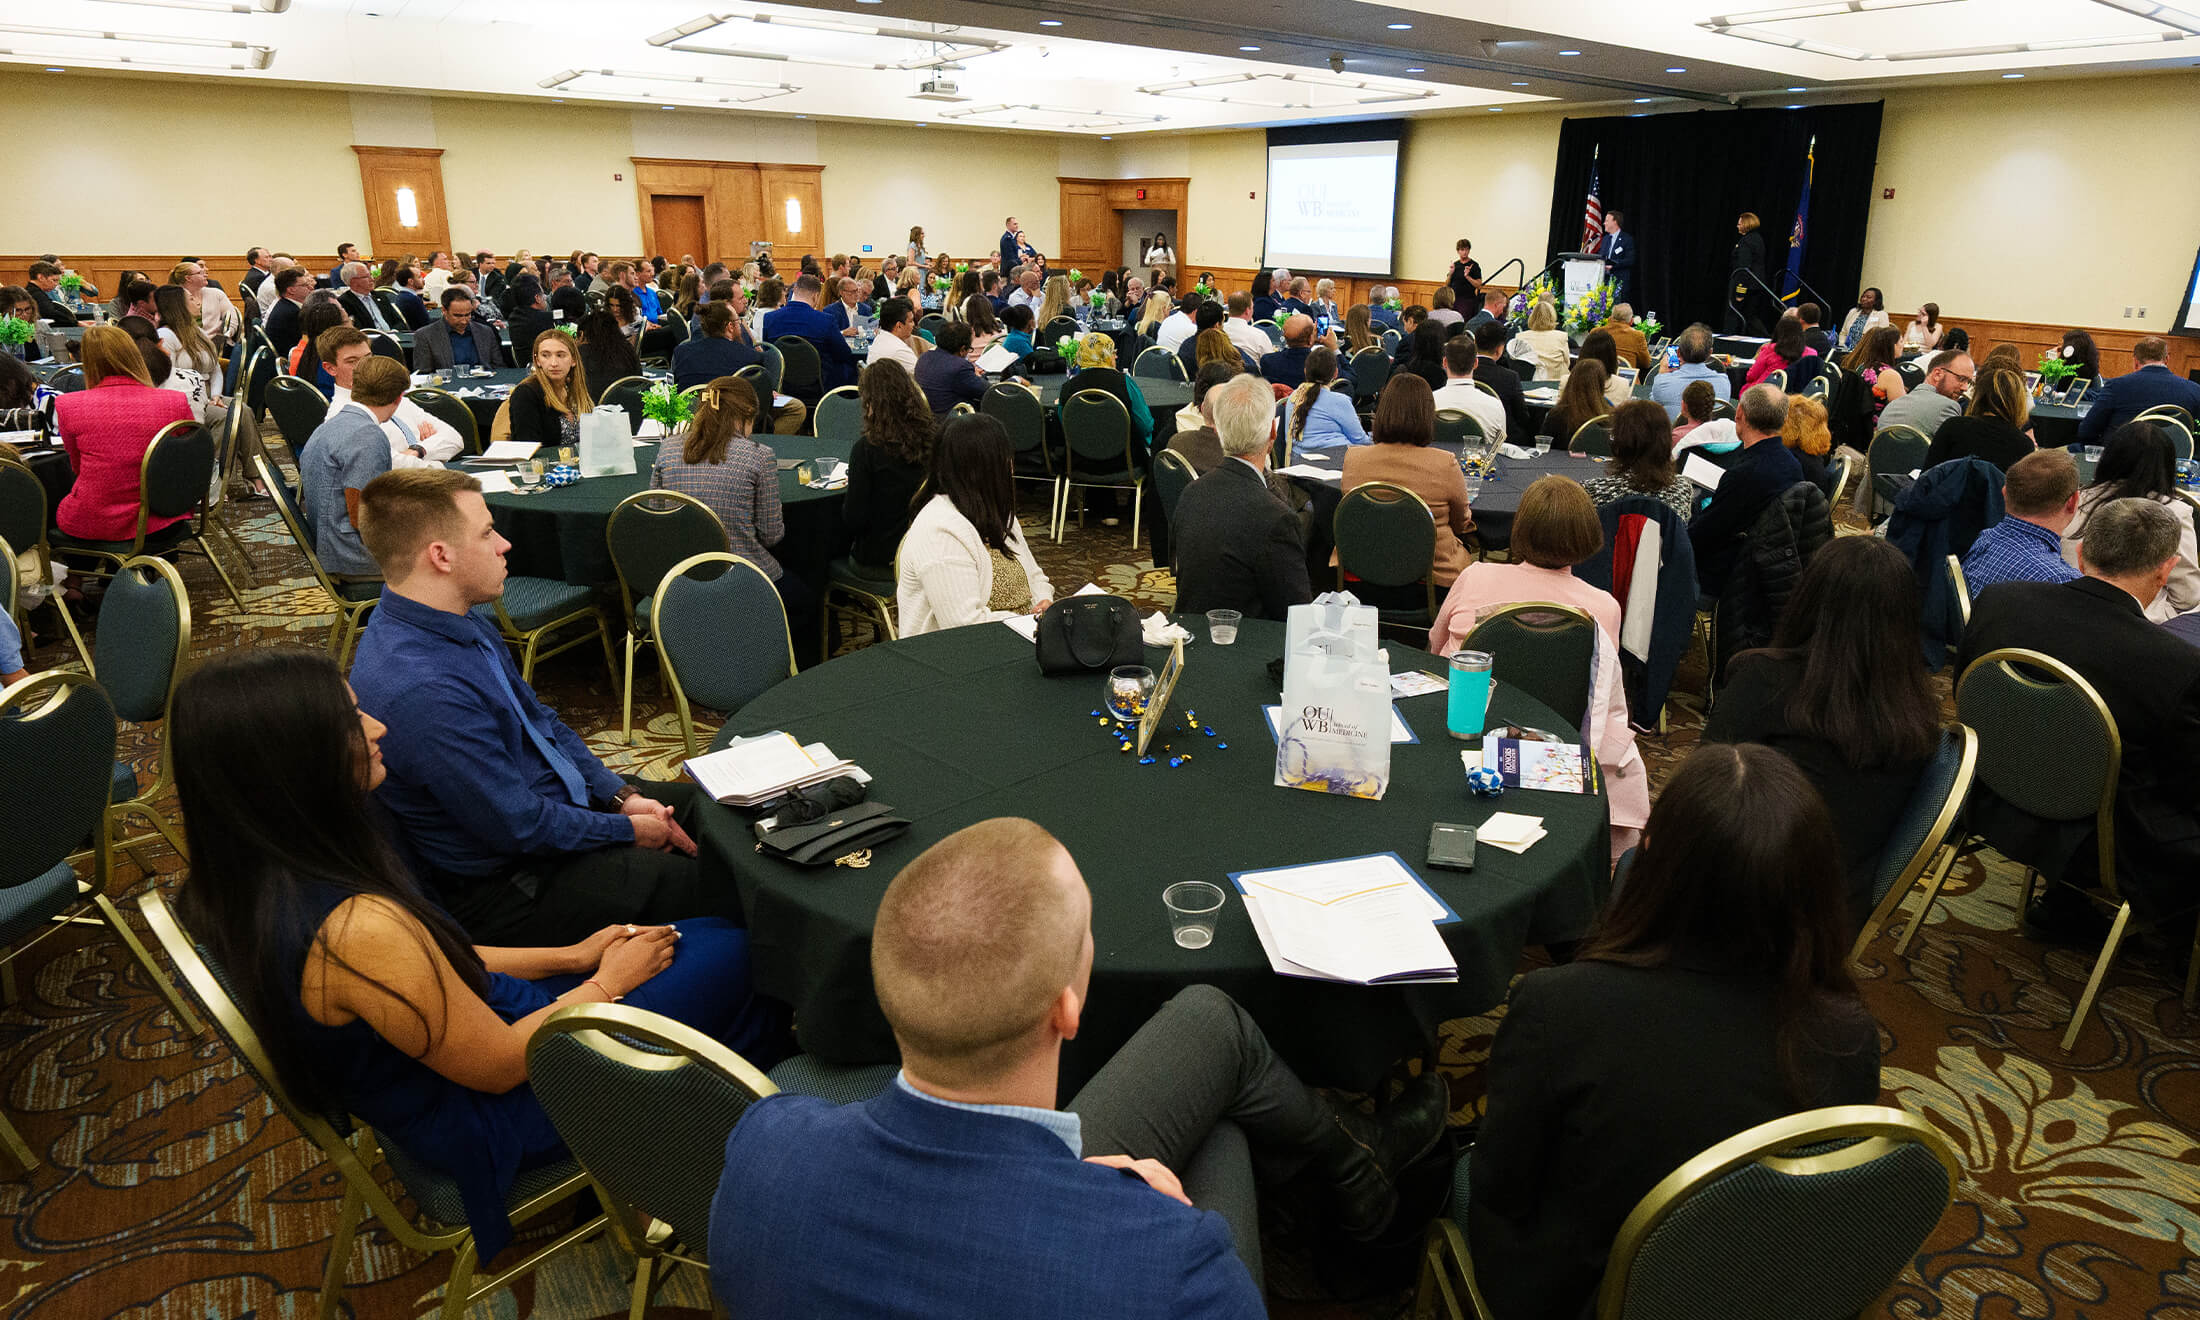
(960, 726)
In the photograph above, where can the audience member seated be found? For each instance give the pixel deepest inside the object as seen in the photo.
(1995, 429)
(886, 469)
(1713, 995)
(2150, 384)
(1922, 334)
(1556, 528)
(1237, 543)
(568, 302)
(407, 292)
(545, 409)
(1925, 409)
(1095, 370)
(1380, 311)
(739, 479)
(1250, 339)
(320, 314)
(281, 325)
(719, 347)
(1599, 347)
(1016, 336)
(2139, 462)
(1543, 343)
(1490, 369)
(1459, 393)
(1869, 314)
(45, 278)
(359, 300)
(1841, 692)
(1489, 306)
(848, 307)
(2079, 350)
(1180, 324)
(985, 1200)
(607, 355)
(964, 559)
(1403, 454)
(1815, 337)
(897, 340)
(1215, 345)
(415, 438)
(530, 317)
(1642, 462)
(345, 453)
(1443, 308)
(1807, 433)
(191, 354)
(2150, 679)
(2039, 496)
(544, 845)
(1316, 416)
(1580, 400)
(1410, 320)
(1869, 383)
(947, 374)
(105, 429)
(1262, 299)
(1782, 354)
(1765, 469)
(1287, 365)
(1693, 347)
(461, 339)
(1424, 355)
(369, 998)
(802, 319)
(1631, 344)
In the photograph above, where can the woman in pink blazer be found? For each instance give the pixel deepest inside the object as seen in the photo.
(105, 428)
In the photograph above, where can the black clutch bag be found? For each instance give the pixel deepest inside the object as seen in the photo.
(840, 838)
(1082, 634)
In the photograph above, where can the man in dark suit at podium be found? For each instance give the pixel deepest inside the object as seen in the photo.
(1618, 251)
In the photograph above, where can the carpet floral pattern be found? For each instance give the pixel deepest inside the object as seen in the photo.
(169, 1188)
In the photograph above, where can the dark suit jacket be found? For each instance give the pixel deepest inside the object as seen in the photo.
(50, 309)
(1759, 474)
(2150, 680)
(700, 361)
(1285, 366)
(961, 1214)
(1008, 251)
(526, 325)
(1506, 382)
(432, 346)
(1619, 254)
(282, 326)
(1604, 1079)
(948, 379)
(837, 363)
(2121, 398)
(1237, 547)
(413, 306)
(358, 309)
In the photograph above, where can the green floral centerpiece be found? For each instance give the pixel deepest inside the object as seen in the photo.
(1066, 346)
(1650, 325)
(1204, 290)
(72, 284)
(1099, 300)
(14, 331)
(569, 330)
(2055, 368)
(942, 283)
(1393, 304)
(1075, 274)
(668, 407)
(961, 266)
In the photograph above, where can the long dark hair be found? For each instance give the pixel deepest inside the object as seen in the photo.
(2138, 462)
(267, 750)
(971, 461)
(603, 336)
(1739, 873)
(1262, 284)
(1405, 413)
(2087, 357)
(1787, 339)
(1599, 346)
(1642, 446)
(1579, 399)
(1853, 622)
(1428, 343)
(896, 418)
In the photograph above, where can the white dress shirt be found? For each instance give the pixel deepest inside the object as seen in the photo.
(1031, 300)
(1247, 338)
(433, 284)
(1467, 397)
(441, 443)
(1174, 330)
(267, 295)
(891, 347)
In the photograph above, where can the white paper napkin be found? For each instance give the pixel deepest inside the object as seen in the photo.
(1160, 632)
(1511, 831)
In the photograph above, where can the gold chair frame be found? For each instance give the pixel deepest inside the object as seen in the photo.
(1962, 588)
(469, 440)
(354, 1157)
(44, 547)
(1935, 856)
(734, 563)
(637, 632)
(193, 522)
(1059, 498)
(1384, 490)
(142, 803)
(837, 392)
(1070, 483)
(1601, 419)
(1573, 613)
(350, 620)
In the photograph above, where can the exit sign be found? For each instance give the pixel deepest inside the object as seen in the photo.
(1141, 194)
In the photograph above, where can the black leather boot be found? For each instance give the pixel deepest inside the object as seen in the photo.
(1362, 1154)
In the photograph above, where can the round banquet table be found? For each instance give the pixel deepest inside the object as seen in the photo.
(1494, 505)
(959, 726)
(483, 394)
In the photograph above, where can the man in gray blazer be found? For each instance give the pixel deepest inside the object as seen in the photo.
(460, 339)
(1237, 545)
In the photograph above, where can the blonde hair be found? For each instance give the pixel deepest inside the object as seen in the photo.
(1055, 302)
(1806, 428)
(1748, 221)
(181, 271)
(1214, 346)
(724, 409)
(1158, 307)
(2001, 393)
(1543, 316)
(574, 399)
(108, 350)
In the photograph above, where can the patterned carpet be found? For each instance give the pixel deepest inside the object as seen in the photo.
(170, 1190)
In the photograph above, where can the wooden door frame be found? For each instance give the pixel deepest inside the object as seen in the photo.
(431, 160)
(1178, 187)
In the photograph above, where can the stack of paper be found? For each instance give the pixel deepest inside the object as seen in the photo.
(1514, 833)
(755, 770)
(1363, 920)
(1311, 472)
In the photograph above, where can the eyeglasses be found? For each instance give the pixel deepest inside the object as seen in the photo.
(1958, 377)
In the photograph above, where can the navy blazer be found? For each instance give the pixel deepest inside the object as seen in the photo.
(1286, 366)
(1619, 255)
(899, 1207)
(2118, 400)
(836, 362)
(701, 360)
(1009, 248)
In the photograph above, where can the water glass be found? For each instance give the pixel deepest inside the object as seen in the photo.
(1222, 626)
(1130, 688)
(1194, 907)
(568, 455)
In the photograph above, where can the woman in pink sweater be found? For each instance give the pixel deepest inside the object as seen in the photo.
(105, 429)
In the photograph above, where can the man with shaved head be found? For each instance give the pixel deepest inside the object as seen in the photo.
(1287, 365)
(961, 1191)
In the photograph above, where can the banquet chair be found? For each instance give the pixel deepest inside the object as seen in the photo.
(67, 380)
(57, 760)
(1920, 848)
(775, 366)
(1098, 454)
(872, 594)
(1722, 410)
(1158, 363)
(1391, 337)
(626, 394)
(1385, 536)
(841, 1083)
(351, 597)
(450, 410)
(299, 408)
(1019, 411)
(1960, 593)
(23, 523)
(1454, 427)
(1912, 373)
(932, 323)
(1273, 331)
(1843, 479)
(1895, 452)
(1593, 437)
(1370, 372)
(531, 610)
(1820, 385)
(594, 1067)
(352, 1150)
(2171, 420)
(722, 640)
(174, 477)
(1173, 474)
(803, 371)
(669, 333)
(1808, 1217)
(2171, 411)
(260, 371)
(1546, 650)
(2020, 701)
(383, 344)
(647, 533)
(142, 646)
(840, 415)
(386, 299)
(756, 374)
(1776, 379)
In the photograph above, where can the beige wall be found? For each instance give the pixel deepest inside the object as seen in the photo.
(514, 177)
(959, 184)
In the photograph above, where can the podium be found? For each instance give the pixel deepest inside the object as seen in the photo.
(1580, 274)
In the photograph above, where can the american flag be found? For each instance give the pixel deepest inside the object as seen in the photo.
(1592, 214)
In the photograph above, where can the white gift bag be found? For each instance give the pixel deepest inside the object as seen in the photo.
(1336, 614)
(607, 443)
(1335, 735)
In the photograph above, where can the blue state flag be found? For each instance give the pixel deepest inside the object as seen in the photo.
(1802, 227)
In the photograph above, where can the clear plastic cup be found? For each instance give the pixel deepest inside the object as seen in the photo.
(1222, 626)
(1194, 907)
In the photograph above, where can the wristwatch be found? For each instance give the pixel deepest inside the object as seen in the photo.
(626, 791)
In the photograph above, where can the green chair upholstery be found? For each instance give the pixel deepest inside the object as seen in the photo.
(1386, 536)
(174, 477)
(23, 526)
(626, 394)
(803, 372)
(1017, 409)
(533, 609)
(775, 365)
(873, 595)
(299, 408)
(1456, 427)
(2174, 422)
(1370, 372)
(1895, 452)
(721, 634)
(1546, 650)
(595, 1067)
(1158, 363)
(839, 416)
(1173, 474)
(647, 533)
(143, 643)
(67, 380)
(1593, 437)
(1920, 845)
(841, 1083)
(451, 411)
(1096, 430)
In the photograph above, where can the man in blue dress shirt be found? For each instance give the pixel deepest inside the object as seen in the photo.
(2039, 497)
(520, 832)
(1693, 347)
(960, 1190)
(803, 318)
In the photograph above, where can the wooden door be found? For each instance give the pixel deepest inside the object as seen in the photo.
(794, 213)
(1090, 232)
(677, 226)
(404, 196)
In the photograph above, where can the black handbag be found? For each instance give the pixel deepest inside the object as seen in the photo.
(842, 838)
(1081, 634)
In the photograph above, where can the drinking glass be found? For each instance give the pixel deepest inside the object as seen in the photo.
(527, 476)
(1222, 626)
(568, 455)
(1130, 687)
(1194, 906)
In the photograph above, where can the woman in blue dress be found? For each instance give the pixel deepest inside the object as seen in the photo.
(367, 995)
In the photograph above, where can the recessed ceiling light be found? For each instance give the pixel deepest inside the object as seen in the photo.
(1642, 100)
(1798, 89)
(1416, 70)
(1676, 70)
(1497, 109)
(1569, 52)
(1248, 48)
(1399, 27)
(1107, 137)
(54, 70)
(1792, 107)
(1520, 84)
(1050, 22)
(2012, 75)
(664, 107)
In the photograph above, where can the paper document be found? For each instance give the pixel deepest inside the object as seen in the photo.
(1414, 683)
(494, 483)
(1366, 920)
(750, 771)
(1514, 833)
(1702, 471)
(1400, 731)
(996, 358)
(1025, 626)
(509, 451)
(1309, 470)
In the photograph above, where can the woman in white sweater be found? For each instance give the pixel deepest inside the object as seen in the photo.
(1543, 343)
(964, 559)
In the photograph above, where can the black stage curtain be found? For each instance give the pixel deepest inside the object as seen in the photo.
(1680, 180)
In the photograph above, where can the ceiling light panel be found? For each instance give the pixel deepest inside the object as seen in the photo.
(62, 45)
(1047, 116)
(1909, 30)
(805, 39)
(1288, 91)
(682, 89)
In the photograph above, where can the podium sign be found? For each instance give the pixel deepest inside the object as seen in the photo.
(1580, 274)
